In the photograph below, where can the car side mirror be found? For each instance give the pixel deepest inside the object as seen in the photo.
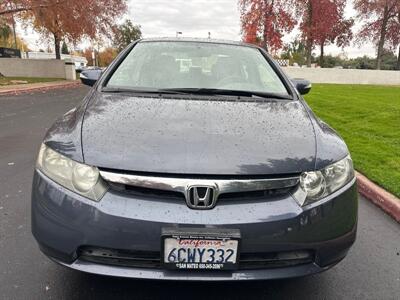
(303, 86)
(89, 77)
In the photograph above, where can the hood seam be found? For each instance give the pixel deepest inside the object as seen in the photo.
(303, 103)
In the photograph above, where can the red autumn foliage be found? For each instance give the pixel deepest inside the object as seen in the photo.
(68, 19)
(381, 24)
(264, 22)
(323, 22)
(8, 7)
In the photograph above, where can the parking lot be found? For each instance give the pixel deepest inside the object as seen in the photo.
(370, 271)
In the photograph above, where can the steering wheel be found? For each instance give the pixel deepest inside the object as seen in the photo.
(230, 79)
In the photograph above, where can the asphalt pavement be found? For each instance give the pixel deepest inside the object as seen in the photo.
(370, 271)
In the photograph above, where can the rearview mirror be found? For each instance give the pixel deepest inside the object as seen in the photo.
(90, 76)
(303, 86)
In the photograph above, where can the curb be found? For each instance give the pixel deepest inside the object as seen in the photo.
(385, 200)
(40, 87)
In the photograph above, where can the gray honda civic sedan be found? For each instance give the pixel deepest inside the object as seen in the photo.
(194, 160)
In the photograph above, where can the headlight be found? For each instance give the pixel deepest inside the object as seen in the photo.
(319, 184)
(79, 178)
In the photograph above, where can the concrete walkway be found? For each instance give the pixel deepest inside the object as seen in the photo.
(29, 87)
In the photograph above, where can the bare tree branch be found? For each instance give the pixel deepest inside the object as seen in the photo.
(14, 10)
(21, 9)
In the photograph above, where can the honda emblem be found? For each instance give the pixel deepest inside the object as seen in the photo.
(201, 196)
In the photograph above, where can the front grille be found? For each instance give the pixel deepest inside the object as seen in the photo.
(171, 195)
(141, 259)
(254, 195)
(137, 259)
(177, 187)
(275, 259)
(151, 193)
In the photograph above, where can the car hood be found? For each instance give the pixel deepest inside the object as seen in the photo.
(197, 136)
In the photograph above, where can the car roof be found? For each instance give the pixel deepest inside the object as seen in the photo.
(198, 40)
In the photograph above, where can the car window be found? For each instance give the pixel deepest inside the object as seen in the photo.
(167, 64)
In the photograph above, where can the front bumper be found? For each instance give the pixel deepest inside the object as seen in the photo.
(64, 222)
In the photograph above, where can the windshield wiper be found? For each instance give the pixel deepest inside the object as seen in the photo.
(197, 91)
(239, 93)
(139, 91)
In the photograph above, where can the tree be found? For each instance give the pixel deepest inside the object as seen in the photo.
(87, 53)
(264, 22)
(8, 7)
(295, 52)
(394, 35)
(106, 56)
(5, 33)
(125, 34)
(398, 57)
(332, 61)
(338, 32)
(389, 60)
(7, 38)
(381, 24)
(64, 49)
(74, 19)
(323, 22)
(9, 42)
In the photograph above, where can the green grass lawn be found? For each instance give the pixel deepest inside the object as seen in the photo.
(368, 118)
(4, 81)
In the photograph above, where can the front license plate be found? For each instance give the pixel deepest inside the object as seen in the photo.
(200, 252)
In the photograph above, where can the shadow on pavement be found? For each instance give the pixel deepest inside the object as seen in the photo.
(101, 287)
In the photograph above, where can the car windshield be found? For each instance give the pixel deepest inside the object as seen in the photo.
(196, 65)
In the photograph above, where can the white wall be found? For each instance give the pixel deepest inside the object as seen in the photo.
(47, 68)
(344, 76)
(44, 55)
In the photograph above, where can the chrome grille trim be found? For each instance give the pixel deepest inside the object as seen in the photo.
(181, 184)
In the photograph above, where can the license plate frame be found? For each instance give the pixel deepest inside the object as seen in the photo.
(213, 234)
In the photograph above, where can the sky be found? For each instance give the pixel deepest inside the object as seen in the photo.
(195, 18)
